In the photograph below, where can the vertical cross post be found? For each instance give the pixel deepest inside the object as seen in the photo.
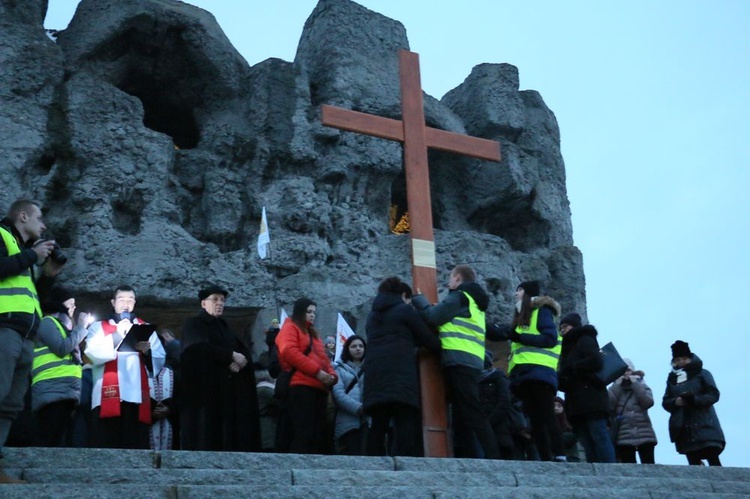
(416, 138)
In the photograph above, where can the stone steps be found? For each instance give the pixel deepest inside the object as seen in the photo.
(104, 473)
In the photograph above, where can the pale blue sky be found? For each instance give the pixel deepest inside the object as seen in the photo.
(653, 102)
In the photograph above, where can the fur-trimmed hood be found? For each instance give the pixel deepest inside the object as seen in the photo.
(546, 301)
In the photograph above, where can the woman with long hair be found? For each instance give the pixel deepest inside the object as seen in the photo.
(535, 352)
(301, 353)
(350, 423)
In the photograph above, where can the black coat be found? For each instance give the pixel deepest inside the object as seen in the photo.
(694, 426)
(394, 330)
(585, 395)
(219, 409)
(494, 395)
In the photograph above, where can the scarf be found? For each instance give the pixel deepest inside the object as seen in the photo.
(110, 406)
(680, 375)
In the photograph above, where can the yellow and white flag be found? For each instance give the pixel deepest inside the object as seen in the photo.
(264, 238)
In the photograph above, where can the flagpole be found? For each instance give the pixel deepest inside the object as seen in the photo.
(264, 242)
(275, 286)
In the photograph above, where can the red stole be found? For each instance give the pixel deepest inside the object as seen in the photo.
(110, 407)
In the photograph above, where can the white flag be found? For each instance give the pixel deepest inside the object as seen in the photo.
(343, 331)
(264, 238)
(283, 317)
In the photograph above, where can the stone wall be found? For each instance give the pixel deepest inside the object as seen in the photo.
(153, 147)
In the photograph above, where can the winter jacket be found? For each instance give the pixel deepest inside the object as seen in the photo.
(546, 309)
(494, 395)
(394, 331)
(630, 403)
(462, 339)
(292, 343)
(585, 395)
(348, 405)
(51, 343)
(693, 426)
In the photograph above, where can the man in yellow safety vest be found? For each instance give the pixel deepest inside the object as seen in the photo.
(460, 319)
(20, 313)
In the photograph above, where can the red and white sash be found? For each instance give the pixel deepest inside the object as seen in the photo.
(110, 407)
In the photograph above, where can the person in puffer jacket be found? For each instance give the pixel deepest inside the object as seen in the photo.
(630, 398)
(689, 398)
(350, 424)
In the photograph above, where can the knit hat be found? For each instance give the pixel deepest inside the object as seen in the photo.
(54, 301)
(680, 349)
(212, 290)
(629, 363)
(531, 288)
(571, 319)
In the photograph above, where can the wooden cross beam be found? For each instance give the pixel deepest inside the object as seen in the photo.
(416, 137)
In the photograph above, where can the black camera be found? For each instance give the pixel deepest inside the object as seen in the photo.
(627, 382)
(58, 255)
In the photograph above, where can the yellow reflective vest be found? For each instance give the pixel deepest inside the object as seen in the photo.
(524, 354)
(47, 365)
(462, 338)
(18, 292)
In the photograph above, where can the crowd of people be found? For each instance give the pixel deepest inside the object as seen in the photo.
(119, 383)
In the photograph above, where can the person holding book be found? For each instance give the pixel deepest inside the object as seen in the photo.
(122, 360)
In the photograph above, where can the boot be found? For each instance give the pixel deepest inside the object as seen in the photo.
(5, 479)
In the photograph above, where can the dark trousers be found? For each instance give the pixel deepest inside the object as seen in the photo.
(710, 454)
(122, 432)
(469, 420)
(407, 428)
(53, 420)
(352, 443)
(626, 453)
(308, 416)
(539, 404)
(594, 435)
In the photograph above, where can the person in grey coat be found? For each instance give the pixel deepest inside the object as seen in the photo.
(630, 398)
(347, 394)
(56, 371)
(689, 398)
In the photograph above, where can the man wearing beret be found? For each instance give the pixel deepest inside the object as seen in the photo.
(121, 401)
(220, 404)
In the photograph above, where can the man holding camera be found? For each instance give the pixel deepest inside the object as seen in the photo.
(20, 313)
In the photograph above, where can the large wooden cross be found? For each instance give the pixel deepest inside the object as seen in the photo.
(417, 137)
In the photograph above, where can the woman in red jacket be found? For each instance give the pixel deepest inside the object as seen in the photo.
(301, 350)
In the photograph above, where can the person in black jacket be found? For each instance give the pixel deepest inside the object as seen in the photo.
(219, 400)
(689, 398)
(586, 398)
(391, 382)
(494, 395)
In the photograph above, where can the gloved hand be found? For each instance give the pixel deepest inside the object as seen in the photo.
(513, 335)
(688, 398)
